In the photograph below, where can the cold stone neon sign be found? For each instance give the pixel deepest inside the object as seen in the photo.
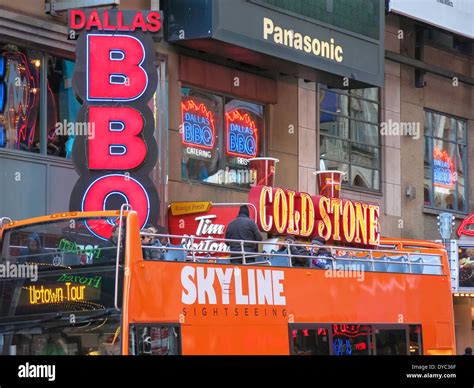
(198, 125)
(115, 77)
(242, 135)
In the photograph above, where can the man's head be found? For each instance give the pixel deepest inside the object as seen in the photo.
(318, 241)
(146, 239)
(244, 210)
(468, 350)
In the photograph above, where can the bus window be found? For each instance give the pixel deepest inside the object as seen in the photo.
(58, 292)
(391, 342)
(157, 340)
(431, 264)
(66, 242)
(351, 339)
(416, 346)
(90, 336)
(312, 341)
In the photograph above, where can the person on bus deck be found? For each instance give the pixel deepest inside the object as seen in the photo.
(149, 243)
(109, 250)
(468, 351)
(295, 251)
(320, 254)
(34, 251)
(243, 228)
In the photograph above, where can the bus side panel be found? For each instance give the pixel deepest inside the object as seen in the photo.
(191, 294)
(235, 339)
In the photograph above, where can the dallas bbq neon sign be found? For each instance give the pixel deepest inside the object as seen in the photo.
(242, 135)
(444, 170)
(198, 125)
(115, 77)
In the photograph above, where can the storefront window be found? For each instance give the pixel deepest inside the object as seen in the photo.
(466, 266)
(218, 136)
(349, 135)
(62, 109)
(21, 80)
(20, 98)
(444, 163)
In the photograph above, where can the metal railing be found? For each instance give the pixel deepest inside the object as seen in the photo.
(286, 254)
(119, 246)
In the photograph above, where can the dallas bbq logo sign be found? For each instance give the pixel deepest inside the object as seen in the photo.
(115, 77)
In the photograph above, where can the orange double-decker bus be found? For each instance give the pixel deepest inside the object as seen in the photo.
(66, 290)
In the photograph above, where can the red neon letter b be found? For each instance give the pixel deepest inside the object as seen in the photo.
(115, 145)
(114, 71)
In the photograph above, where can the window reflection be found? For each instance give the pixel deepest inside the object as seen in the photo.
(444, 161)
(219, 135)
(350, 136)
(19, 109)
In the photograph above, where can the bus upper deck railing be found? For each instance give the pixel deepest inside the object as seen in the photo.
(284, 254)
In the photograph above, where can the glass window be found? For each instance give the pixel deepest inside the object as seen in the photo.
(62, 109)
(349, 135)
(359, 16)
(444, 162)
(89, 335)
(466, 267)
(218, 137)
(61, 243)
(21, 82)
(155, 340)
(392, 342)
(416, 346)
(352, 340)
(313, 341)
(20, 98)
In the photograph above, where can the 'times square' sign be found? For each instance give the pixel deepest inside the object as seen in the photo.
(115, 77)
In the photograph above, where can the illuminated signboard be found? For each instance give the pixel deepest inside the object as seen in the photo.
(444, 170)
(467, 226)
(78, 292)
(198, 125)
(300, 214)
(203, 221)
(115, 77)
(241, 135)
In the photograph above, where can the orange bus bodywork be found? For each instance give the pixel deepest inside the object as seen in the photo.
(153, 294)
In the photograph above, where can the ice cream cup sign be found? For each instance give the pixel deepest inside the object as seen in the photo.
(329, 183)
(262, 171)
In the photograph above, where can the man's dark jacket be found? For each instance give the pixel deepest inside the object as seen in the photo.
(243, 228)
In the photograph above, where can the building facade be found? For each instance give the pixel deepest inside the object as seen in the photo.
(380, 94)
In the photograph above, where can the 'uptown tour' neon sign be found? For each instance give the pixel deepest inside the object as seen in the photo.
(198, 125)
(241, 135)
(115, 77)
